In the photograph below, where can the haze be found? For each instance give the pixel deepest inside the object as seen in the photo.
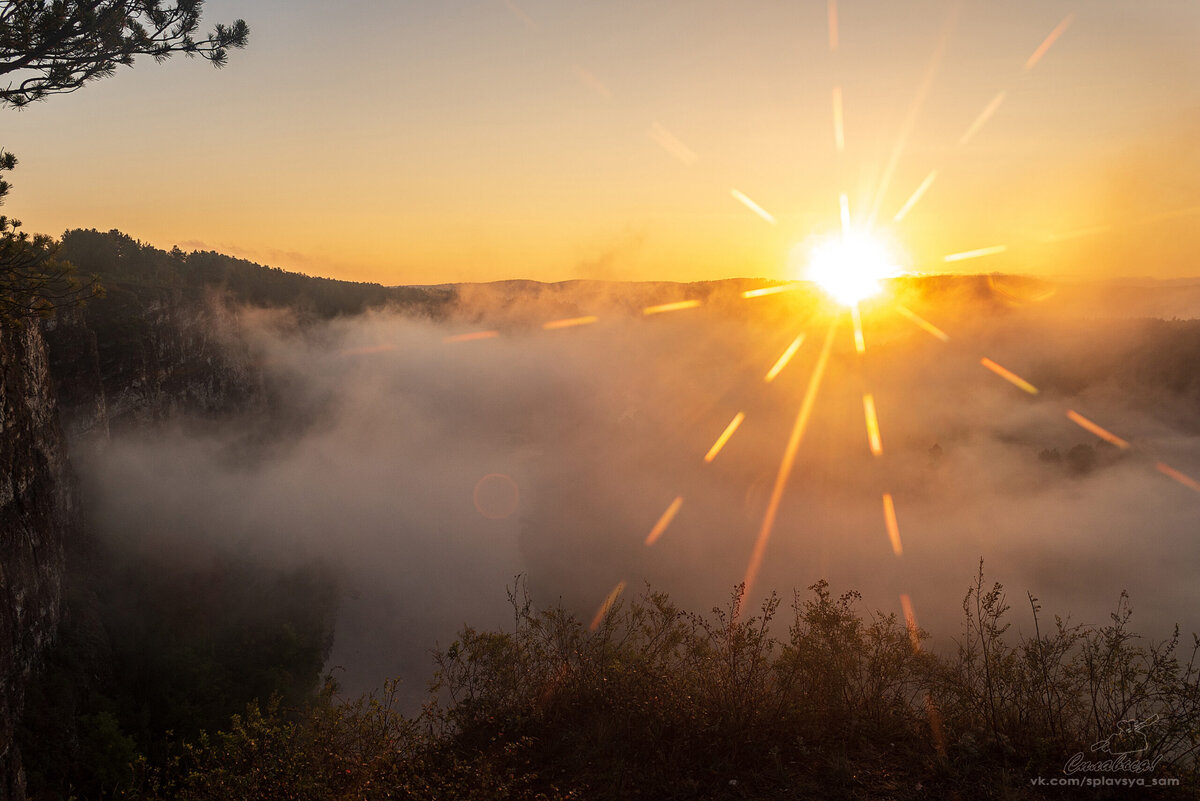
(432, 142)
(378, 454)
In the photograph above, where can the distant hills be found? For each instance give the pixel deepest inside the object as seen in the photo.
(130, 269)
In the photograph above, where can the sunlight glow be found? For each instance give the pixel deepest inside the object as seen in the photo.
(769, 290)
(906, 130)
(754, 207)
(1009, 376)
(588, 79)
(664, 521)
(912, 200)
(850, 267)
(832, 11)
(893, 530)
(670, 307)
(1103, 433)
(983, 117)
(978, 253)
(935, 717)
(873, 438)
(789, 460)
(839, 124)
(910, 623)
(923, 324)
(472, 337)
(1182, 478)
(784, 358)
(519, 13)
(668, 142)
(609, 600)
(724, 438)
(1049, 41)
(554, 325)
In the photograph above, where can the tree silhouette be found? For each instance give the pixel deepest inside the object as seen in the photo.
(58, 46)
(52, 47)
(33, 283)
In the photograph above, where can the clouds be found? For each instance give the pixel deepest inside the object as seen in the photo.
(387, 432)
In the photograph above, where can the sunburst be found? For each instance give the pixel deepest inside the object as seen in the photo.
(850, 267)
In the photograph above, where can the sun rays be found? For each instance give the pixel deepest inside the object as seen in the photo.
(852, 266)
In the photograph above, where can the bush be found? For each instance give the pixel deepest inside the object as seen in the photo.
(660, 703)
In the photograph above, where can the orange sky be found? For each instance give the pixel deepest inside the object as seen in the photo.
(407, 142)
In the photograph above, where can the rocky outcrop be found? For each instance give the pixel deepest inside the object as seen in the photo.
(75, 369)
(145, 355)
(37, 513)
(161, 346)
(81, 373)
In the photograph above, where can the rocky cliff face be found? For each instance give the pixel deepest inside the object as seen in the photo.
(37, 512)
(133, 362)
(161, 345)
(148, 356)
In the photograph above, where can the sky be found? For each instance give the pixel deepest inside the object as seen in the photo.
(430, 142)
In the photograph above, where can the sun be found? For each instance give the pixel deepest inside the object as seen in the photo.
(849, 266)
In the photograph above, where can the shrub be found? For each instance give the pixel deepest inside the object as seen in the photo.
(661, 703)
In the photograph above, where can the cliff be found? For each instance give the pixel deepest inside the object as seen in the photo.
(37, 513)
(146, 354)
(161, 346)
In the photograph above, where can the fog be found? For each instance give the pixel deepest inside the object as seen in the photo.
(431, 473)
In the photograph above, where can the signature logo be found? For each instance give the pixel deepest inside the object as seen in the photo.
(1120, 752)
(1129, 738)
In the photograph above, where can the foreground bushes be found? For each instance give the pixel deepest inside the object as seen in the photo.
(660, 703)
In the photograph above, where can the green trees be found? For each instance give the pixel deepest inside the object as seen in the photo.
(57, 47)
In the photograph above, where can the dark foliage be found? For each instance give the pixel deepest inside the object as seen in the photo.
(57, 46)
(52, 47)
(135, 273)
(34, 281)
(156, 650)
(659, 703)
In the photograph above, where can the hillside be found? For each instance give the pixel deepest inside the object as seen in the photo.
(272, 469)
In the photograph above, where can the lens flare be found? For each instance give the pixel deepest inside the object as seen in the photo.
(910, 622)
(471, 337)
(1101, 432)
(873, 438)
(663, 308)
(783, 360)
(725, 436)
(664, 521)
(849, 267)
(607, 605)
(893, 530)
(570, 322)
